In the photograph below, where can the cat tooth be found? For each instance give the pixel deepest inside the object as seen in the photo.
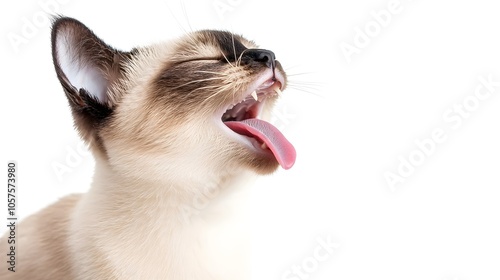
(278, 91)
(263, 146)
(254, 95)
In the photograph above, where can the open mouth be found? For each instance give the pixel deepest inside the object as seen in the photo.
(243, 119)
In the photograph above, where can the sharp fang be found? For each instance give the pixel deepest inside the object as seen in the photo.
(263, 146)
(254, 95)
(278, 91)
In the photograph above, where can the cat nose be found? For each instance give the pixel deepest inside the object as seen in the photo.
(266, 57)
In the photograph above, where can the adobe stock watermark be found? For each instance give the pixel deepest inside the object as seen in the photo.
(453, 117)
(199, 202)
(324, 250)
(283, 116)
(222, 7)
(363, 35)
(74, 158)
(31, 25)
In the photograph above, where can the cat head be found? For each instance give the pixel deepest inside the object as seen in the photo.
(194, 104)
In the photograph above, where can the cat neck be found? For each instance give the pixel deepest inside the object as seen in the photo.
(206, 230)
(174, 200)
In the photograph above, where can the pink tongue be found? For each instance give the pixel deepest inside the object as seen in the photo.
(283, 151)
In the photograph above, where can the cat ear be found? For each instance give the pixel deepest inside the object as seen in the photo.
(86, 68)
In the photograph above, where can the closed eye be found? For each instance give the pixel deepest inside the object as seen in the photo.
(223, 58)
(195, 59)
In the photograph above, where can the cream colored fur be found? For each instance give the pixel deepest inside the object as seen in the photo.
(170, 195)
(106, 234)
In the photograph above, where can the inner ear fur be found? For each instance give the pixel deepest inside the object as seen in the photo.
(87, 68)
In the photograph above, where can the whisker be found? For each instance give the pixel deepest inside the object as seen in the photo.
(222, 89)
(227, 59)
(184, 10)
(197, 81)
(310, 84)
(304, 82)
(234, 47)
(299, 73)
(315, 87)
(202, 88)
(175, 18)
(238, 62)
(307, 91)
(210, 72)
(236, 87)
(290, 67)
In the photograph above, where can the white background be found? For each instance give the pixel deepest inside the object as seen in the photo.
(350, 123)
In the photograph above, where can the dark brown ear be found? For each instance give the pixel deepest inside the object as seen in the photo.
(86, 68)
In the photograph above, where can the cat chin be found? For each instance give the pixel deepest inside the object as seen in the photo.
(260, 162)
(266, 167)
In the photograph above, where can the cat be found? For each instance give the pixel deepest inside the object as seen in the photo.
(176, 130)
